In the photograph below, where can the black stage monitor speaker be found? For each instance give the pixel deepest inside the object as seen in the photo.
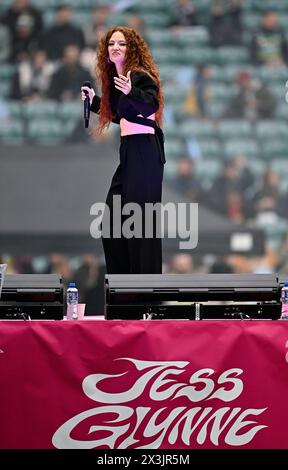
(192, 297)
(32, 297)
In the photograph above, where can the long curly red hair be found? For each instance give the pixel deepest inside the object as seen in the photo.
(138, 58)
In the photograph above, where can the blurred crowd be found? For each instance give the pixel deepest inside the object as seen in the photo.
(240, 98)
(88, 271)
(53, 59)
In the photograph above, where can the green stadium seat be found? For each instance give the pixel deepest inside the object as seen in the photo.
(80, 4)
(201, 4)
(262, 6)
(174, 148)
(272, 75)
(40, 109)
(4, 4)
(160, 38)
(203, 8)
(232, 55)
(274, 148)
(15, 108)
(230, 129)
(47, 4)
(96, 3)
(251, 21)
(11, 131)
(232, 70)
(81, 18)
(149, 6)
(5, 87)
(271, 129)
(116, 19)
(215, 109)
(222, 92)
(45, 131)
(195, 37)
(152, 20)
(208, 169)
(48, 17)
(282, 110)
(174, 94)
(283, 20)
(217, 73)
(167, 72)
(198, 55)
(178, 112)
(246, 147)
(193, 128)
(280, 166)
(171, 131)
(228, 73)
(210, 148)
(279, 91)
(70, 110)
(7, 71)
(170, 168)
(257, 166)
(164, 55)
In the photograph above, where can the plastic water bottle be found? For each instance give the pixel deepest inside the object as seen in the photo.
(72, 302)
(284, 301)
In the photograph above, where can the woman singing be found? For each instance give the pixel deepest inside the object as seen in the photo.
(132, 97)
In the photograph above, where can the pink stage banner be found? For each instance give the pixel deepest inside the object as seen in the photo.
(144, 384)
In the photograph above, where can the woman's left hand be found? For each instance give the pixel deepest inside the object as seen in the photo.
(123, 83)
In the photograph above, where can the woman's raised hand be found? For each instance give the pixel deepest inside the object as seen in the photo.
(123, 83)
(85, 90)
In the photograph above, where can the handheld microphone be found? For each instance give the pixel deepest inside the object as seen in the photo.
(87, 105)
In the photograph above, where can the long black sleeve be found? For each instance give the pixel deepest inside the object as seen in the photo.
(143, 94)
(95, 105)
(95, 108)
(142, 98)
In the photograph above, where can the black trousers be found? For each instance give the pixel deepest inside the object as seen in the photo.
(137, 179)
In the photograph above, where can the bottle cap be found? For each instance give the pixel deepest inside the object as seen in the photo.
(72, 284)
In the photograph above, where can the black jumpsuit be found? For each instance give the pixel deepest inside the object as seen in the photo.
(138, 178)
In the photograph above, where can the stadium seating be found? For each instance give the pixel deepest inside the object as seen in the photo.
(12, 131)
(178, 53)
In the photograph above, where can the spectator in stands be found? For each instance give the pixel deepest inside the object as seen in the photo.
(5, 42)
(221, 266)
(283, 206)
(65, 81)
(282, 258)
(183, 13)
(62, 34)
(225, 26)
(240, 264)
(32, 78)
(89, 279)
(268, 197)
(246, 177)
(60, 264)
(23, 264)
(269, 45)
(94, 32)
(181, 263)
(225, 195)
(25, 24)
(185, 181)
(197, 99)
(252, 101)
(97, 26)
(137, 23)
